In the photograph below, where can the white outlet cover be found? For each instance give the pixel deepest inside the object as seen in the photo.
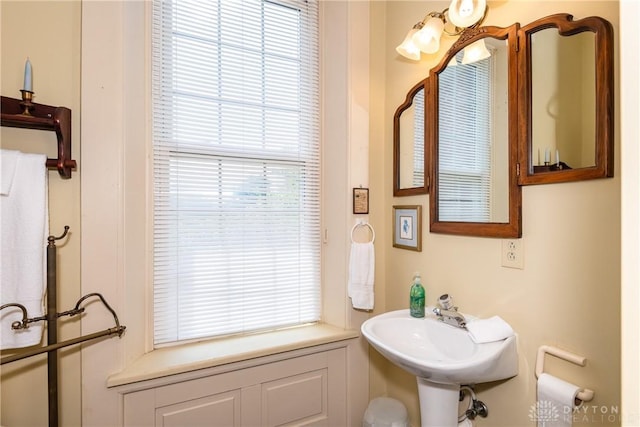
(513, 253)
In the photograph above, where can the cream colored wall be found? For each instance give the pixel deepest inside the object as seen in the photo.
(48, 32)
(630, 176)
(380, 182)
(568, 293)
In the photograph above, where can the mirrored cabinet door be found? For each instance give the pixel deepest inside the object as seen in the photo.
(473, 137)
(409, 148)
(566, 100)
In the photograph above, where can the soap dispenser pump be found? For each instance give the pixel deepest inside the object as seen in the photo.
(416, 297)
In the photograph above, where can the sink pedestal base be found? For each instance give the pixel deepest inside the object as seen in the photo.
(438, 403)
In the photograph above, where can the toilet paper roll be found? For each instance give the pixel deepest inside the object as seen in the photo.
(555, 401)
(466, 423)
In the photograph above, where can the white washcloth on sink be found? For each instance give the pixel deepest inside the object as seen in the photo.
(489, 330)
(24, 228)
(361, 275)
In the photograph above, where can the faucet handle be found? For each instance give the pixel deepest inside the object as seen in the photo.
(446, 302)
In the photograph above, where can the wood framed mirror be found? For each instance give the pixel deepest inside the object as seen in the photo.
(472, 136)
(566, 99)
(409, 147)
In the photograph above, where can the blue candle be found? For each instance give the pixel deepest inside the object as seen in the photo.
(28, 80)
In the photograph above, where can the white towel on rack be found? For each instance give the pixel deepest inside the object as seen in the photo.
(361, 275)
(23, 234)
(8, 161)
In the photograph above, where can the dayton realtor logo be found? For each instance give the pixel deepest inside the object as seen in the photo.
(546, 411)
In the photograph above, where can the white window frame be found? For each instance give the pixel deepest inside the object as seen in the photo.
(116, 198)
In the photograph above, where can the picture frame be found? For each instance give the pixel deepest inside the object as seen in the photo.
(407, 227)
(360, 200)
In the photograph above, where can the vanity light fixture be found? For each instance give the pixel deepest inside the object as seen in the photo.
(466, 13)
(427, 39)
(425, 35)
(408, 48)
(476, 51)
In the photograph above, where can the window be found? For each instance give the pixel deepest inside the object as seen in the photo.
(236, 167)
(465, 145)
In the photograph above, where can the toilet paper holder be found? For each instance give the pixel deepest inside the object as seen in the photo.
(585, 394)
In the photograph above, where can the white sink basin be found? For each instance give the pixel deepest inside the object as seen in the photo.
(438, 352)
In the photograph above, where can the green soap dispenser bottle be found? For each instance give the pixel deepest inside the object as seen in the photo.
(416, 297)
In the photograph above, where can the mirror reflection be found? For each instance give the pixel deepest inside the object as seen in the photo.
(412, 143)
(473, 136)
(409, 144)
(563, 100)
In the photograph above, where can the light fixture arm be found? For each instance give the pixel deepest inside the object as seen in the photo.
(444, 15)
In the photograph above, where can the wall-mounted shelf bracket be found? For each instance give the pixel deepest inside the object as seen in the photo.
(43, 117)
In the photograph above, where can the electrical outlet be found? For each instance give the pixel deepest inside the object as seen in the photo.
(513, 253)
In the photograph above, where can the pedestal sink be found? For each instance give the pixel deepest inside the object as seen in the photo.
(442, 357)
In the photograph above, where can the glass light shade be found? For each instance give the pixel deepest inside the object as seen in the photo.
(476, 51)
(465, 13)
(428, 38)
(408, 48)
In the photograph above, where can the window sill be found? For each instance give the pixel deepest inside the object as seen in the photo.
(214, 353)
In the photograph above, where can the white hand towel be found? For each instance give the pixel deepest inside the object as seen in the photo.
(555, 404)
(361, 275)
(489, 330)
(8, 160)
(23, 235)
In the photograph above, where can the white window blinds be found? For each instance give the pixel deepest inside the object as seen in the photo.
(236, 167)
(465, 142)
(418, 139)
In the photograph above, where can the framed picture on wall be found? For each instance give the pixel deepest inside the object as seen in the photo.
(360, 200)
(407, 227)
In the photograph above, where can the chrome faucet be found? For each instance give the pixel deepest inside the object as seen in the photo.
(447, 313)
